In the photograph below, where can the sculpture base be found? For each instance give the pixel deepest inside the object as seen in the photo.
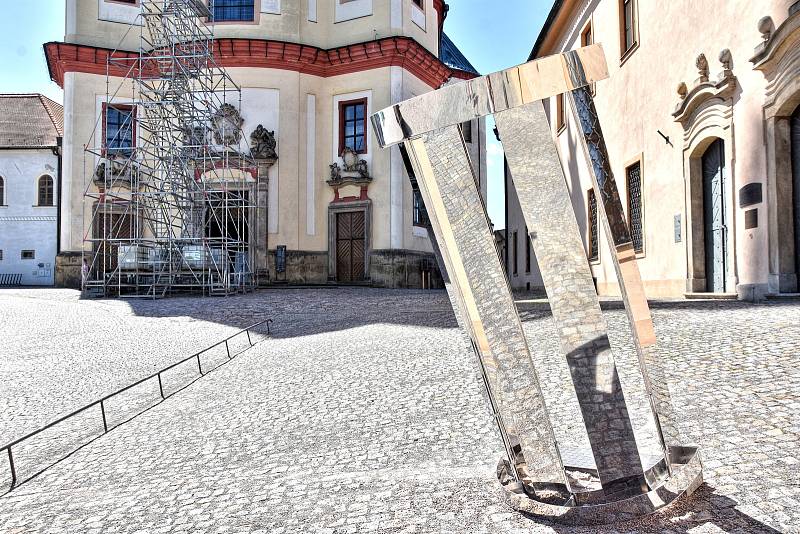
(687, 476)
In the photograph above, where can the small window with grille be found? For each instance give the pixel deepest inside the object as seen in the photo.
(234, 11)
(420, 213)
(527, 251)
(635, 213)
(514, 252)
(594, 249)
(466, 130)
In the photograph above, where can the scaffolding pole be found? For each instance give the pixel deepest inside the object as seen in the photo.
(171, 200)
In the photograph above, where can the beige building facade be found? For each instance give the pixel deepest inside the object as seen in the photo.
(311, 71)
(701, 118)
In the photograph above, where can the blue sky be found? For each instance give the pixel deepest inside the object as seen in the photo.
(493, 34)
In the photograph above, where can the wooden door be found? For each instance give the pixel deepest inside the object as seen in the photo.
(350, 246)
(714, 216)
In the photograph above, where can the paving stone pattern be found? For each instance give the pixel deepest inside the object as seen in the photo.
(364, 414)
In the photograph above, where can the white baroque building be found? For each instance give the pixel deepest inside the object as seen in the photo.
(31, 129)
(311, 71)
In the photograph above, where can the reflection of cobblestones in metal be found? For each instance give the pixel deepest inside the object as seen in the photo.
(487, 307)
(555, 236)
(630, 282)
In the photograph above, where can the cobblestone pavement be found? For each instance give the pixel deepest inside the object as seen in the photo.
(364, 413)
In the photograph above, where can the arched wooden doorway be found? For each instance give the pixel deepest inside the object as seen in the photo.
(714, 217)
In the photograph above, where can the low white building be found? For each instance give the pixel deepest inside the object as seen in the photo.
(31, 129)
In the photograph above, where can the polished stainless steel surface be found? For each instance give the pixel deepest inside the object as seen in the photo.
(624, 257)
(546, 206)
(460, 231)
(485, 304)
(460, 102)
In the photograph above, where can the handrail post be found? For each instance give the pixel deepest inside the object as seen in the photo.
(199, 367)
(103, 412)
(13, 470)
(248, 337)
(160, 386)
(227, 349)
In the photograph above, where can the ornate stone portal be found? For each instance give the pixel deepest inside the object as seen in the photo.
(628, 472)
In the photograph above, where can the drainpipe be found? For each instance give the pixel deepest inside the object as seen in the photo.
(58, 152)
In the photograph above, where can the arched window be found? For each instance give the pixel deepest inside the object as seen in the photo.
(46, 191)
(2, 191)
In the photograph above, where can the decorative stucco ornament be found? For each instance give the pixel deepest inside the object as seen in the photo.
(702, 68)
(263, 144)
(765, 27)
(227, 124)
(353, 169)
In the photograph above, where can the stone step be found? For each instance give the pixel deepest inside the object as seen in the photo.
(782, 296)
(711, 296)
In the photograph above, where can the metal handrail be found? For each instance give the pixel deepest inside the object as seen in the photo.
(102, 400)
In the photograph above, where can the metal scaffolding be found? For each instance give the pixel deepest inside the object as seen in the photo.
(171, 198)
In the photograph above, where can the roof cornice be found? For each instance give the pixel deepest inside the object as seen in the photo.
(258, 53)
(555, 22)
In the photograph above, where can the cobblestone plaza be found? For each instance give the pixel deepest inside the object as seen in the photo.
(363, 412)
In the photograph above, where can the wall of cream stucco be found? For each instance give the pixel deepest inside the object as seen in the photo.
(84, 25)
(107, 24)
(84, 128)
(638, 99)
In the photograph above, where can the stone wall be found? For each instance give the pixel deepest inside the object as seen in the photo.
(388, 268)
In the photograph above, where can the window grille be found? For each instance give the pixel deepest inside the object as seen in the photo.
(634, 177)
(234, 11)
(594, 249)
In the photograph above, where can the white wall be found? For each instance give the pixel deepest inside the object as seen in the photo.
(23, 224)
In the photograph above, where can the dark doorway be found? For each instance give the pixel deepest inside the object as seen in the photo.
(115, 230)
(226, 218)
(714, 216)
(795, 137)
(350, 246)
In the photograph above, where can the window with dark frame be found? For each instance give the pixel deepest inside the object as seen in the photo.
(353, 125)
(1, 254)
(527, 251)
(45, 191)
(627, 25)
(514, 252)
(2, 191)
(27, 255)
(234, 11)
(466, 131)
(633, 176)
(587, 38)
(594, 249)
(560, 121)
(119, 129)
(420, 213)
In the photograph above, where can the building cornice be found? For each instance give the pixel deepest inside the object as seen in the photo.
(402, 52)
(554, 25)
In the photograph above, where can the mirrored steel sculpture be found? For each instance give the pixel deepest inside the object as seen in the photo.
(622, 481)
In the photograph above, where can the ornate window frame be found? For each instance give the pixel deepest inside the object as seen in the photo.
(778, 58)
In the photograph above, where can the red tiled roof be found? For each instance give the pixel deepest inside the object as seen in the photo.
(29, 120)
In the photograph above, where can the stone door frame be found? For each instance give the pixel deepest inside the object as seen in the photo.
(778, 58)
(334, 209)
